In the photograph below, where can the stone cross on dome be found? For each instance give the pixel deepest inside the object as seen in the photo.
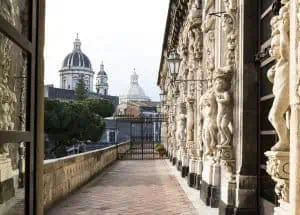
(77, 43)
(101, 66)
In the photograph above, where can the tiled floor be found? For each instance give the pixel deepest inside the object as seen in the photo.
(130, 187)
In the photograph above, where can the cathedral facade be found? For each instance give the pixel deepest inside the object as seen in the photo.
(232, 104)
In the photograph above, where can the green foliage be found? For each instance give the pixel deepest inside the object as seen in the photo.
(80, 90)
(67, 123)
(160, 148)
(103, 108)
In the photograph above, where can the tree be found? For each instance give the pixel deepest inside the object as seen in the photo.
(69, 122)
(80, 90)
(103, 108)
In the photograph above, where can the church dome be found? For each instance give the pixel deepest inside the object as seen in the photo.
(76, 66)
(135, 91)
(77, 59)
(102, 71)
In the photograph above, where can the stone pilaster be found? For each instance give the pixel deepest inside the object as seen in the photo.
(294, 186)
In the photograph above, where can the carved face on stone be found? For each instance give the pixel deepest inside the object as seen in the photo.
(222, 84)
(227, 24)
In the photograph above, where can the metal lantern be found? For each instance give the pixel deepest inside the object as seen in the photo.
(174, 61)
(163, 97)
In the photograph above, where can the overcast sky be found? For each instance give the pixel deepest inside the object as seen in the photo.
(125, 34)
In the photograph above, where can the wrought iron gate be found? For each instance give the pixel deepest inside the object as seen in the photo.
(144, 135)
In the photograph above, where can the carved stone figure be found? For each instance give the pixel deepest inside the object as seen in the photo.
(228, 28)
(222, 85)
(181, 129)
(208, 28)
(209, 122)
(279, 76)
(230, 5)
(190, 119)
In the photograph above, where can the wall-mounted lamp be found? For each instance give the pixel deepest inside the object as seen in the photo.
(174, 62)
(163, 96)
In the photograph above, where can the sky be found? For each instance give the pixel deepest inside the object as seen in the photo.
(124, 34)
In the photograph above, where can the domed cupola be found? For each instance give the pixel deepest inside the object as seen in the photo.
(135, 91)
(101, 81)
(77, 59)
(76, 65)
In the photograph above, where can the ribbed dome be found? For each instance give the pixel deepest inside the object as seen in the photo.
(77, 58)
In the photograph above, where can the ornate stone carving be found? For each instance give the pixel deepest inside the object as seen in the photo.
(222, 85)
(230, 5)
(181, 124)
(278, 157)
(208, 28)
(190, 120)
(278, 167)
(7, 96)
(194, 31)
(279, 76)
(209, 122)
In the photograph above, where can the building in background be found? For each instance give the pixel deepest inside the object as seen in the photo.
(76, 65)
(50, 92)
(102, 81)
(135, 103)
(135, 92)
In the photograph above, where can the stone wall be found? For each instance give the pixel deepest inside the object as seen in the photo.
(63, 176)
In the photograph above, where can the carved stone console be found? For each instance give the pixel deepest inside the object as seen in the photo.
(278, 165)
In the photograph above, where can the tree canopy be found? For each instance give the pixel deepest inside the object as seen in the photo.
(67, 123)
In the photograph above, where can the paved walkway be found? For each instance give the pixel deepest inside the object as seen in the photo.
(130, 188)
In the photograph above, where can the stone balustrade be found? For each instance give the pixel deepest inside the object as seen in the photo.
(64, 175)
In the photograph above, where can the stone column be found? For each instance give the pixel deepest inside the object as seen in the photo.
(294, 194)
(191, 141)
(239, 192)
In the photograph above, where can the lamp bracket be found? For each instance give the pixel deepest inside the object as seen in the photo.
(217, 14)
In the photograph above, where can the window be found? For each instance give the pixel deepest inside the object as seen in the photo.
(21, 45)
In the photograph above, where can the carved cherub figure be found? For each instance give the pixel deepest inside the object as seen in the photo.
(190, 121)
(279, 76)
(208, 122)
(222, 85)
(181, 130)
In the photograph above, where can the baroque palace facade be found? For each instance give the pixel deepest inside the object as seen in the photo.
(230, 82)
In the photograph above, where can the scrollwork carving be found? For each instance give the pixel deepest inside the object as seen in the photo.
(278, 168)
